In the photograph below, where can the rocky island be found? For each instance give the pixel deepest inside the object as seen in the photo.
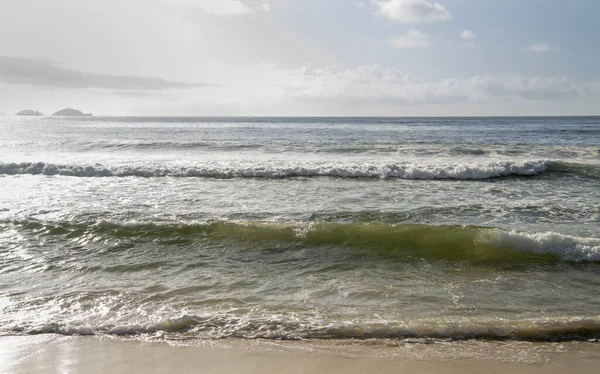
(71, 113)
(29, 112)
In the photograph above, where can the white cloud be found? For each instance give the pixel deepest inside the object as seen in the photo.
(372, 84)
(468, 35)
(542, 47)
(265, 7)
(411, 39)
(408, 11)
(218, 7)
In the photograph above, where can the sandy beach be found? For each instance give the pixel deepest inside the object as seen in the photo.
(59, 354)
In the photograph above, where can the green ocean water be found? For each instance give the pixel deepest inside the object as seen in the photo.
(426, 229)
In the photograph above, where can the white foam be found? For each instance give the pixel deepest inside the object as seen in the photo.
(567, 247)
(285, 169)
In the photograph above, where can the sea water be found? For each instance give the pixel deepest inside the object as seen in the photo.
(301, 228)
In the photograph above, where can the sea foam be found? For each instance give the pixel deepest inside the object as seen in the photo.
(288, 169)
(567, 247)
(289, 327)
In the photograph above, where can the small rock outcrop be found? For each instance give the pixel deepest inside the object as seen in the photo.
(29, 112)
(71, 112)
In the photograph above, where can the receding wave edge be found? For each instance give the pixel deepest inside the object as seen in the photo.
(227, 326)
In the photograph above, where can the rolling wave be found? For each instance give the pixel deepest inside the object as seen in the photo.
(279, 170)
(454, 243)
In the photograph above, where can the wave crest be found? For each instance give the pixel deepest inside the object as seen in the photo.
(278, 170)
(455, 243)
(567, 247)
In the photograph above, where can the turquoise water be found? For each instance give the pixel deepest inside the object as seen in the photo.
(292, 228)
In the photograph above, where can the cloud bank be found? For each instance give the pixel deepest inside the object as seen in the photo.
(49, 73)
(368, 84)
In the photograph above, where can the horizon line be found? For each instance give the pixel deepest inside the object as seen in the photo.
(311, 116)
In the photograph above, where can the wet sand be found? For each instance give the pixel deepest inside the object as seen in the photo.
(60, 354)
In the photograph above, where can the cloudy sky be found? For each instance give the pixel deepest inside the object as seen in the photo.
(301, 57)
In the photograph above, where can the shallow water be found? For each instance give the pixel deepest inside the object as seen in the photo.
(288, 228)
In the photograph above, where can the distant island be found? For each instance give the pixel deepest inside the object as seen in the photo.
(71, 112)
(29, 112)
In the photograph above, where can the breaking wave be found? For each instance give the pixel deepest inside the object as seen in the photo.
(278, 170)
(457, 243)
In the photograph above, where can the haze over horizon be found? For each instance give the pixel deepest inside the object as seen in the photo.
(301, 58)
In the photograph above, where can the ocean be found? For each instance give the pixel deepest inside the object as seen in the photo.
(396, 229)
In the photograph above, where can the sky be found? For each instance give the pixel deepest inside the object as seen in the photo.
(301, 57)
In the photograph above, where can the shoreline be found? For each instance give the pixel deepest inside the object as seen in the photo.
(94, 354)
